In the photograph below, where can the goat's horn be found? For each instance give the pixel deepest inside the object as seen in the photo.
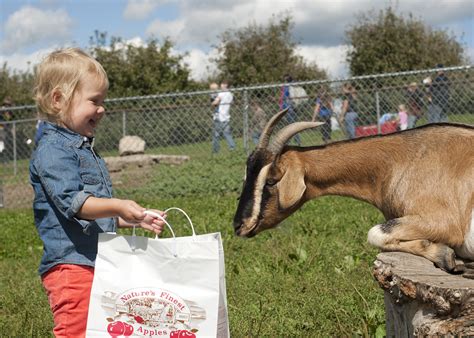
(286, 133)
(267, 131)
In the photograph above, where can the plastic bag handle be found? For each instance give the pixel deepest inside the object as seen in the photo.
(187, 217)
(154, 214)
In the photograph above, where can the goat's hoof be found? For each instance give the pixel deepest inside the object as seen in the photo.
(468, 270)
(468, 273)
(447, 260)
(469, 265)
(458, 269)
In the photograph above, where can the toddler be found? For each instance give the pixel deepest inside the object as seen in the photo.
(73, 200)
(402, 117)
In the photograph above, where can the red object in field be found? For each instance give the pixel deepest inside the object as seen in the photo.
(386, 128)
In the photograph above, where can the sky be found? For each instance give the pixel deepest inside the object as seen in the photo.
(32, 28)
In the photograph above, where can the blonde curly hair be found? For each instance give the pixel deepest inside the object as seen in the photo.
(63, 71)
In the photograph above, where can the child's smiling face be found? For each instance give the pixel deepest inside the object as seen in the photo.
(87, 106)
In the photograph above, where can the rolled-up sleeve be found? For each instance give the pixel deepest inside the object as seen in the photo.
(58, 170)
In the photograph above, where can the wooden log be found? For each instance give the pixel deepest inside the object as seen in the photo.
(422, 300)
(118, 163)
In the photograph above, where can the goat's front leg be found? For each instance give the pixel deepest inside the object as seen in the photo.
(413, 235)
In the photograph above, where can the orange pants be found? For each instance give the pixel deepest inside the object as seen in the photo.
(68, 288)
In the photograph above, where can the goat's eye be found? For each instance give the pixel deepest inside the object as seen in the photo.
(270, 182)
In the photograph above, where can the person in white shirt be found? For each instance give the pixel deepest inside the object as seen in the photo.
(222, 118)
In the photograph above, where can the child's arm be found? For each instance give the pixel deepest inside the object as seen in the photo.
(95, 207)
(128, 212)
(216, 101)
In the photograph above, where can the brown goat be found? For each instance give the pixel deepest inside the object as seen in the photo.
(422, 180)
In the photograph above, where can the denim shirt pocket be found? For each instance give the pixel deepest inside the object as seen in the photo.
(94, 174)
(90, 174)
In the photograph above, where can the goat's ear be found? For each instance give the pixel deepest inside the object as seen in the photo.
(291, 188)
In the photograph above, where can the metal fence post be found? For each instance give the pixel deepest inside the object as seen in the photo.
(15, 168)
(124, 123)
(246, 121)
(377, 108)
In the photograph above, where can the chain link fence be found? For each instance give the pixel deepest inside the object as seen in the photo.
(182, 124)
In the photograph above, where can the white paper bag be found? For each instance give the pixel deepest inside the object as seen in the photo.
(173, 287)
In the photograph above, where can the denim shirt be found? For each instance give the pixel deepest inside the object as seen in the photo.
(64, 172)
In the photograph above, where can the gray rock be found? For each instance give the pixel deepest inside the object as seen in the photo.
(131, 145)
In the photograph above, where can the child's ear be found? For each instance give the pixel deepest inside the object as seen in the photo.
(57, 99)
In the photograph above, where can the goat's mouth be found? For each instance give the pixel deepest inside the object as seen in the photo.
(246, 231)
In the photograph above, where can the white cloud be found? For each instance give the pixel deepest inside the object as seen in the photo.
(199, 63)
(30, 25)
(172, 29)
(24, 62)
(317, 22)
(319, 25)
(135, 42)
(332, 59)
(140, 9)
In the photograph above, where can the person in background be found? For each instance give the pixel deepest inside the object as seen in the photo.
(257, 120)
(222, 102)
(439, 92)
(414, 103)
(285, 102)
(349, 113)
(73, 199)
(402, 117)
(323, 112)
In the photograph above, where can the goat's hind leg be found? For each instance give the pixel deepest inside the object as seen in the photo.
(408, 234)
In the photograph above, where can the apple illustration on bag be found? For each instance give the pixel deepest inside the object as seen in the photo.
(128, 329)
(182, 334)
(116, 329)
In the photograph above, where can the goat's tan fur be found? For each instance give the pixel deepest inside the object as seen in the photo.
(422, 181)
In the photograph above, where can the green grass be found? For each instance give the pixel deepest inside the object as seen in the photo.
(311, 276)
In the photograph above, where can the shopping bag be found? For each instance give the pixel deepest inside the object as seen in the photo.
(145, 287)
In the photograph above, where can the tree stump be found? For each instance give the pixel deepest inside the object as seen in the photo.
(422, 300)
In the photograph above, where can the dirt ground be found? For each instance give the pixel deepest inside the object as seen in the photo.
(20, 195)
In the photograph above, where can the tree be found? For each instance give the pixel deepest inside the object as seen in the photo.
(263, 54)
(141, 70)
(18, 85)
(391, 43)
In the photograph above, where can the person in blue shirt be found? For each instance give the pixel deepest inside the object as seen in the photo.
(73, 199)
(323, 111)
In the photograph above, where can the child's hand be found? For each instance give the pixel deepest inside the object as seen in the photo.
(153, 223)
(131, 212)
